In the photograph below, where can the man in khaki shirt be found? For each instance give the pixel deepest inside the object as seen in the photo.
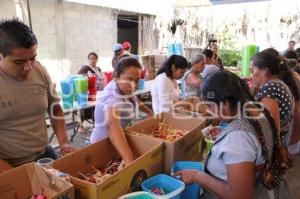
(26, 94)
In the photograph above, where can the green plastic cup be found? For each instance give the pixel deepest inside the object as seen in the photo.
(248, 52)
(81, 85)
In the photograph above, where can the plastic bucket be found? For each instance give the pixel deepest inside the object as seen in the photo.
(191, 191)
(171, 187)
(138, 195)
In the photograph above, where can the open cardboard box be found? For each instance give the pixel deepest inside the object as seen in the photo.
(27, 180)
(148, 163)
(192, 104)
(188, 148)
(195, 107)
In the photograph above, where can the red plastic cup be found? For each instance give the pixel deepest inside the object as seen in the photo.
(92, 81)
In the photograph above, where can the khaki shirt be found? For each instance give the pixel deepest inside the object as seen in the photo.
(23, 105)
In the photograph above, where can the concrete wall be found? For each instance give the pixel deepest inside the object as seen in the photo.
(67, 32)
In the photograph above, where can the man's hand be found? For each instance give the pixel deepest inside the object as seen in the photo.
(66, 148)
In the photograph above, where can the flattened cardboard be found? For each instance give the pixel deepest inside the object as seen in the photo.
(148, 163)
(187, 148)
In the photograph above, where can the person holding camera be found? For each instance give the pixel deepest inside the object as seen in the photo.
(213, 45)
(219, 61)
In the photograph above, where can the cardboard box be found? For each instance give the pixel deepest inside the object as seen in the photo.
(153, 60)
(195, 107)
(192, 104)
(186, 148)
(148, 163)
(151, 63)
(150, 73)
(29, 179)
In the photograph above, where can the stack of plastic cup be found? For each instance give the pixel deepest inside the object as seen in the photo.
(178, 48)
(141, 84)
(71, 78)
(171, 49)
(81, 85)
(92, 87)
(175, 48)
(67, 93)
(248, 52)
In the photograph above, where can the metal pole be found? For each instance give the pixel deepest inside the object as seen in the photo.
(29, 14)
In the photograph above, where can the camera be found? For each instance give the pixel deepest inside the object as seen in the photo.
(212, 38)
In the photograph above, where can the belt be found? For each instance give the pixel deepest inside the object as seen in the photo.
(22, 160)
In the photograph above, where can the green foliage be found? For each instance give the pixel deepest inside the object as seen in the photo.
(226, 39)
(230, 57)
(227, 43)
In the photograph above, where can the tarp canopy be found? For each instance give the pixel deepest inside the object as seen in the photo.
(156, 7)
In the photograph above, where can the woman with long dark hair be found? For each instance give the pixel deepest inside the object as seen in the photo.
(165, 90)
(91, 67)
(244, 161)
(278, 89)
(116, 107)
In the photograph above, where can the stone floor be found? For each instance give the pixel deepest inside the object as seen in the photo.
(293, 178)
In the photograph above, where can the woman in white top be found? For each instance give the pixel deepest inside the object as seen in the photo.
(165, 90)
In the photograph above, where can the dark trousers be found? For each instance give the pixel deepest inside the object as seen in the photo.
(49, 153)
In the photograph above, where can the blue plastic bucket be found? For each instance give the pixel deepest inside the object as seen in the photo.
(171, 186)
(138, 195)
(190, 191)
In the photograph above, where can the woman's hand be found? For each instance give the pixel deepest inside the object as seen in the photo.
(188, 176)
(116, 135)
